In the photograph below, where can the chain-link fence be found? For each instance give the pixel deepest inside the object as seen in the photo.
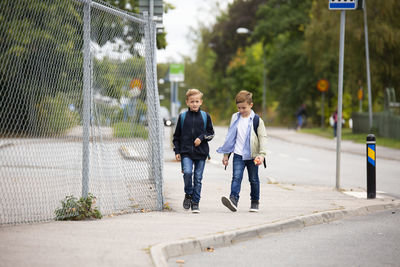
(79, 109)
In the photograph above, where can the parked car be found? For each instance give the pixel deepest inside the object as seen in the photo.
(166, 116)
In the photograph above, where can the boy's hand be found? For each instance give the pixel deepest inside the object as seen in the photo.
(178, 157)
(197, 142)
(225, 161)
(258, 160)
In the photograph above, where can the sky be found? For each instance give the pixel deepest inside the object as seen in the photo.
(178, 22)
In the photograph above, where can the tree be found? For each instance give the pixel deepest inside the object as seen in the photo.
(225, 41)
(322, 43)
(281, 25)
(36, 58)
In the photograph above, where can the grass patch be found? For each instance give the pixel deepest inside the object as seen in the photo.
(129, 130)
(347, 134)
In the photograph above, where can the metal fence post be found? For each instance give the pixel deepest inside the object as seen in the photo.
(86, 99)
(371, 166)
(154, 121)
(160, 126)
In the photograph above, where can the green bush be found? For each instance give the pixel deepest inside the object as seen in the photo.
(129, 130)
(74, 209)
(106, 114)
(54, 117)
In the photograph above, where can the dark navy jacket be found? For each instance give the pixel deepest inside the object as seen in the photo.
(193, 127)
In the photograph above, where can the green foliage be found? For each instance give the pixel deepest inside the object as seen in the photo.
(216, 48)
(31, 52)
(129, 130)
(245, 71)
(54, 117)
(300, 42)
(161, 40)
(112, 78)
(322, 46)
(107, 114)
(224, 38)
(291, 80)
(74, 209)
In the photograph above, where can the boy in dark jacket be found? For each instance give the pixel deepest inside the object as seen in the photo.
(193, 131)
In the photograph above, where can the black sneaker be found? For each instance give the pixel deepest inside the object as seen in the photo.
(187, 201)
(195, 207)
(254, 206)
(230, 203)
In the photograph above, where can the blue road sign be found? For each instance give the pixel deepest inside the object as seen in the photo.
(343, 4)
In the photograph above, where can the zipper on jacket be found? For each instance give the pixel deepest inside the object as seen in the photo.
(193, 131)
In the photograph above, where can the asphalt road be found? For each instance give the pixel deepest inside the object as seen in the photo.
(298, 164)
(371, 240)
(293, 163)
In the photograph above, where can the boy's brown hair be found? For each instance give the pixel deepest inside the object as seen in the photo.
(244, 96)
(191, 92)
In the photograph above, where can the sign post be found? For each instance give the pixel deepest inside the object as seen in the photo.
(154, 8)
(342, 6)
(176, 75)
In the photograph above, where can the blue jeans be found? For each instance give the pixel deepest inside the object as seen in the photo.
(238, 168)
(193, 186)
(299, 121)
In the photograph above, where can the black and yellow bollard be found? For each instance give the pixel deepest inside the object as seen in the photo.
(371, 166)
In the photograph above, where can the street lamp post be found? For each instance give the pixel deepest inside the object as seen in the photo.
(243, 30)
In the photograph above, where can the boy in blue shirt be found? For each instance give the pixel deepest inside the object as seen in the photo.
(193, 131)
(247, 141)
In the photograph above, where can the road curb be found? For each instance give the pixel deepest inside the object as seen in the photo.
(160, 253)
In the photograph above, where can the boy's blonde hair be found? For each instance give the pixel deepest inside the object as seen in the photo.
(244, 96)
(191, 92)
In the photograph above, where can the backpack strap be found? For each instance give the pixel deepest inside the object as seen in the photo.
(256, 122)
(183, 115)
(203, 115)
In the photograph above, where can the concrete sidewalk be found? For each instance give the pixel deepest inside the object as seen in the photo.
(149, 239)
